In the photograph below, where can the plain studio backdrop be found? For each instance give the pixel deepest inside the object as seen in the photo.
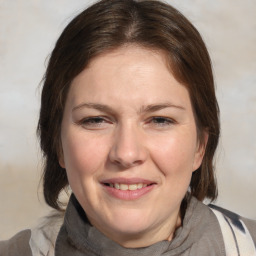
(28, 32)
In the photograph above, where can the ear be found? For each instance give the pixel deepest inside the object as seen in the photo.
(199, 154)
(61, 156)
(61, 161)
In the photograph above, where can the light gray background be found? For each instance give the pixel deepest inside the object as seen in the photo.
(28, 31)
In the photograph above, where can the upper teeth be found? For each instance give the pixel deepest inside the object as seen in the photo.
(127, 186)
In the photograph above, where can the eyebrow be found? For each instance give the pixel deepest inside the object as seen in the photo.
(156, 107)
(143, 109)
(97, 106)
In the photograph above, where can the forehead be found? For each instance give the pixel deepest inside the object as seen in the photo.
(129, 73)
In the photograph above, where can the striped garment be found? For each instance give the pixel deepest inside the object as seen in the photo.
(237, 238)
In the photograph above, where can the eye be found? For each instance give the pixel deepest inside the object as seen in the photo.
(94, 122)
(162, 121)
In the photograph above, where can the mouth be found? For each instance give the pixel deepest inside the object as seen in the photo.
(128, 189)
(131, 187)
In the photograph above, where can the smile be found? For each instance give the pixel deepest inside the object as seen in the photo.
(124, 187)
(128, 189)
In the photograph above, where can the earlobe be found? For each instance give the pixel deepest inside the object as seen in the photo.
(61, 156)
(199, 155)
(61, 161)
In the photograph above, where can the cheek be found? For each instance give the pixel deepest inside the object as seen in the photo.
(83, 156)
(174, 154)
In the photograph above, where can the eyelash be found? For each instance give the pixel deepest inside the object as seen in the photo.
(99, 121)
(162, 121)
(96, 121)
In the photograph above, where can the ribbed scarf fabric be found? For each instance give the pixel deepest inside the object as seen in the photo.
(78, 238)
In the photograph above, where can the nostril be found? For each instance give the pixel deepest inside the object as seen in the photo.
(128, 164)
(127, 151)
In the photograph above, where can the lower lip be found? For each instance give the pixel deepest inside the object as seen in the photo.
(128, 194)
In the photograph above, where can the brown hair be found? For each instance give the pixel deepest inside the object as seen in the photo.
(107, 25)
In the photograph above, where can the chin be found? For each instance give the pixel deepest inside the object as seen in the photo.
(130, 223)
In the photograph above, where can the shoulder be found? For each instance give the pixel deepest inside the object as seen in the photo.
(238, 221)
(43, 236)
(17, 245)
(39, 240)
(251, 225)
(239, 233)
(220, 231)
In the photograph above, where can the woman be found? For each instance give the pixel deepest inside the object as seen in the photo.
(129, 120)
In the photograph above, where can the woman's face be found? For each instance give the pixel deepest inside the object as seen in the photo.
(130, 145)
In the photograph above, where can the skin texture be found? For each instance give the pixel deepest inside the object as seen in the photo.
(127, 117)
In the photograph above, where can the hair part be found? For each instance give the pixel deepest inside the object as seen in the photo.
(105, 26)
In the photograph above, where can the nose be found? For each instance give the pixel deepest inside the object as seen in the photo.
(128, 149)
